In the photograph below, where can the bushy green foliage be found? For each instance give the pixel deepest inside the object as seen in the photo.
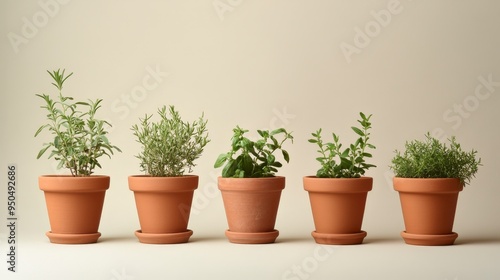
(249, 159)
(79, 138)
(170, 146)
(344, 163)
(432, 159)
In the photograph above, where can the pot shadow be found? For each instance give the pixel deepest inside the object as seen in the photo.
(121, 238)
(132, 238)
(376, 240)
(195, 239)
(477, 240)
(293, 239)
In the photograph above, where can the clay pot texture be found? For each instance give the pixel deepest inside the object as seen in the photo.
(338, 206)
(74, 205)
(428, 205)
(163, 203)
(251, 204)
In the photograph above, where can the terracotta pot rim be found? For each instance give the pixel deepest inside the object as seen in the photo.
(337, 185)
(154, 177)
(146, 183)
(70, 184)
(426, 179)
(258, 178)
(340, 179)
(427, 185)
(264, 184)
(71, 176)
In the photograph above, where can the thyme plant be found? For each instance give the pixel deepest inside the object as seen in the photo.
(249, 159)
(344, 163)
(79, 138)
(170, 146)
(433, 159)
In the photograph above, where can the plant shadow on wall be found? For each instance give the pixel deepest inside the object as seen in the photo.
(338, 191)
(74, 202)
(250, 190)
(164, 195)
(429, 176)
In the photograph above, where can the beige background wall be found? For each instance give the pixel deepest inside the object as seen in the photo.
(417, 66)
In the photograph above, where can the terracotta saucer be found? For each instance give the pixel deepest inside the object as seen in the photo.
(252, 237)
(429, 239)
(68, 238)
(163, 238)
(339, 239)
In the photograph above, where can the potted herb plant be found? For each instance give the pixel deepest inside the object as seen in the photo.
(250, 190)
(74, 202)
(164, 194)
(429, 176)
(338, 191)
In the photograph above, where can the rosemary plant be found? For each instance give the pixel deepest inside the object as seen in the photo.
(170, 146)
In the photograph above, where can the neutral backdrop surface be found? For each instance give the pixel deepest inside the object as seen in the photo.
(417, 66)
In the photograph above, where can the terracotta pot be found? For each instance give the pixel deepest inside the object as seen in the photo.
(428, 206)
(338, 206)
(74, 206)
(163, 206)
(251, 206)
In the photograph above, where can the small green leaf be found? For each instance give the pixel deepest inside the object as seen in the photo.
(244, 142)
(286, 156)
(42, 151)
(246, 162)
(272, 146)
(229, 169)
(345, 153)
(40, 129)
(263, 133)
(277, 131)
(358, 131)
(335, 138)
(370, 146)
(367, 165)
(220, 160)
